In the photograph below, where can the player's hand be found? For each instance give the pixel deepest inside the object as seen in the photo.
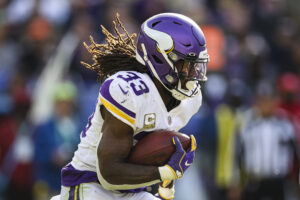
(180, 161)
(166, 190)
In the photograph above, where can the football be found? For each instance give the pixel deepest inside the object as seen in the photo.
(157, 147)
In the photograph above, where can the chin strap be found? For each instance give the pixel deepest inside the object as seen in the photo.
(178, 95)
(181, 95)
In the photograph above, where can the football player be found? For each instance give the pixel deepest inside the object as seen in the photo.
(152, 85)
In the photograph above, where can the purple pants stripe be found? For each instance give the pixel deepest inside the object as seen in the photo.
(78, 197)
(72, 193)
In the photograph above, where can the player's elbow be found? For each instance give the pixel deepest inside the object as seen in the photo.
(108, 173)
(107, 178)
(106, 185)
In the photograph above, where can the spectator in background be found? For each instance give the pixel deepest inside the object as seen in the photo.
(267, 146)
(229, 116)
(289, 90)
(288, 86)
(55, 140)
(15, 142)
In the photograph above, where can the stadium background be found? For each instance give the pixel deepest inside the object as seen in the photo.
(46, 95)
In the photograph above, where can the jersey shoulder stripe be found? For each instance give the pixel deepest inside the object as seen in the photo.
(113, 106)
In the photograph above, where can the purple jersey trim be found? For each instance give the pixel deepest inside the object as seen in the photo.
(104, 91)
(71, 176)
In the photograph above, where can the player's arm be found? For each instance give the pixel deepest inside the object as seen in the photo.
(115, 173)
(112, 152)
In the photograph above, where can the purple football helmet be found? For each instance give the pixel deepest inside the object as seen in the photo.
(173, 47)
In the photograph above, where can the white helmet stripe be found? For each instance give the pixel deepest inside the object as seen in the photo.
(168, 60)
(150, 65)
(139, 58)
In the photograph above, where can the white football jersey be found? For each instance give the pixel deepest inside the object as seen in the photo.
(133, 98)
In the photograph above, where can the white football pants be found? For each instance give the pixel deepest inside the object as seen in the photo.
(90, 191)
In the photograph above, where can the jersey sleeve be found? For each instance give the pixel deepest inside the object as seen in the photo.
(117, 97)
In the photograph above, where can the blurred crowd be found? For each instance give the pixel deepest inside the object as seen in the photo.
(248, 128)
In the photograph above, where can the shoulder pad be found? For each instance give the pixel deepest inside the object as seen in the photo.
(120, 93)
(116, 96)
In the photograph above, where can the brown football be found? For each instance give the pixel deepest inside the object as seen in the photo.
(157, 147)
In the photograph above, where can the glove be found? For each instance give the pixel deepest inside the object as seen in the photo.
(166, 190)
(179, 162)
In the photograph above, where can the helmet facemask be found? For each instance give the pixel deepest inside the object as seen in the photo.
(189, 70)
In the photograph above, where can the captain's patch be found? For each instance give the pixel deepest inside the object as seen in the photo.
(149, 120)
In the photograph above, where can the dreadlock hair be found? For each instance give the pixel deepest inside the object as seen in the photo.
(117, 54)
